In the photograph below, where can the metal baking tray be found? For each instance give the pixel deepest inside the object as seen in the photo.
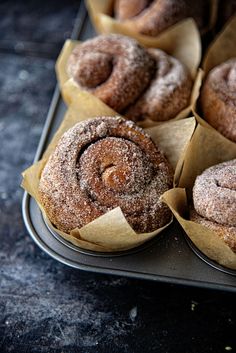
(170, 257)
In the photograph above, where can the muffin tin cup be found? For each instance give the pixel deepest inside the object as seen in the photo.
(98, 235)
(69, 245)
(207, 260)
(207, 148)
(142, 247)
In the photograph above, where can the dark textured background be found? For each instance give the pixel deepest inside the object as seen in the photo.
(45, 306)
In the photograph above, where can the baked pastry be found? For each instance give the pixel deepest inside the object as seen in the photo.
(214, 199)
(168, 92)
(218, 99)
(133, 81)
(152, 17)
(114, 68)
(100, 164)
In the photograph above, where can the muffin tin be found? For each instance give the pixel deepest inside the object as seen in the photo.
(170, 257)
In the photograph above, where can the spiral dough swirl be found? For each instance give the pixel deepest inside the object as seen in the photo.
(152, 17)
(214, 193)
(114, 68)
(218, 99)
(139, 83)
(168, 92)
(214, 199)
(101, 164)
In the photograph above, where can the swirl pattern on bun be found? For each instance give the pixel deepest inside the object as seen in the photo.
(103, 163)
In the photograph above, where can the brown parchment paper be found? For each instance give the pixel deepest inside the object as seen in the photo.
(206, 148)
(71, 91)
(111, 232)
(220, 50)
(101, 10)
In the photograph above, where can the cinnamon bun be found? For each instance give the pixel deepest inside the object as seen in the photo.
(168, 92)
(214, 199)
(114, 68)
(152, 17)
(218, 99)
(137, 82)
(100, 164)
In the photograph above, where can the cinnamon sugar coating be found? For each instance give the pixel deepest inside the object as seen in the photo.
(214, 199)
(226, 233)
(124, 9)
(136, 82)
(152, 17)
(218, 99)
(168, 92)
(100, 164)
(113, 67)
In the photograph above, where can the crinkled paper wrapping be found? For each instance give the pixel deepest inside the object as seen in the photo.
(111, 231)
(207, 148)
(100, 13)
(221, 49)
(182, 42)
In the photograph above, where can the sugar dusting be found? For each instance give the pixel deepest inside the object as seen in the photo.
(214, 193)
(154, 16)
(103, 163)
(168, 92)
(132, 80)
(226, 233)
(131, 71)
(222, 79)
(218, 98)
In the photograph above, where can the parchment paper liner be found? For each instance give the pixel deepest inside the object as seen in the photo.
(187, 50)
(100, 13)
(207, 148)
(111, 232)
(220, 50)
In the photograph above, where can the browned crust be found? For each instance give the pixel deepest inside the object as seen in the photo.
(214, 200)
(214, 193)
(153, 17)
(122, 65)
(100, 164)
(218, 99)
(141, 84)
(168, 92)
(124, 9)
(226, 233)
